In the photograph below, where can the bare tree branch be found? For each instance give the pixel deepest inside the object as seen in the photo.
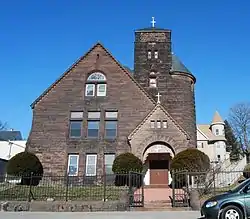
(239, 118)
(3, 126)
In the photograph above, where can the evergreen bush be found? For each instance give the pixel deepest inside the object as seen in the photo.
(27, 166)
(128, 168)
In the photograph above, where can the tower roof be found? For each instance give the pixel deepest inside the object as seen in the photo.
(178, 66)
(217, 118)
(152, 29)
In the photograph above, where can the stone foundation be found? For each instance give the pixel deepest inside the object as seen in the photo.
(56, 206)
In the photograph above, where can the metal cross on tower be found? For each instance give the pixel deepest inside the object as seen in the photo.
(153, 22)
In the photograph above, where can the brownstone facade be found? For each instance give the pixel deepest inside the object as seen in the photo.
(127, 94)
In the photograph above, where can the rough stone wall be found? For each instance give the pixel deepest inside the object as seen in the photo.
(177, 93)
(171, 136)
(49, 136)
(74, 206)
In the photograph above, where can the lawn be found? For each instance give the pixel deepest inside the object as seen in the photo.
(60, 193)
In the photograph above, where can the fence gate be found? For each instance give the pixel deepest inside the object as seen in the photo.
(180, 189)
(136, 189)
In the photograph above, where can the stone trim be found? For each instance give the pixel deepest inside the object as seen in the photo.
(147, 117)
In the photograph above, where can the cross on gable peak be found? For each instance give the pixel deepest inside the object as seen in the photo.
(158, 98)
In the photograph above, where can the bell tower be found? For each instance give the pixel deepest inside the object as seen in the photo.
(152, 58)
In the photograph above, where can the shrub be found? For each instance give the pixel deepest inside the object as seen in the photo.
(24, 165)
(246, 171)
(123, 165)
(190, 160)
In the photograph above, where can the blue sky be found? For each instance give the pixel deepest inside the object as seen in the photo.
(41, 39)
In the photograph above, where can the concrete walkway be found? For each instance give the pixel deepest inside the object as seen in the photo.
(101, 215)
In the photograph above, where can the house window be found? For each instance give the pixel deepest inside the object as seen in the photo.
(111, 124)
(149, 55)
(152, 124)
(164, 124)
(75, 124)
(108, 162)
(91, 161)
(90, 90)
(93, 124)
(73, 162)
(202, 145)
(158, 124)
(96, 85)
(101, 90)
(156, 54)
(218, 157)
(152, 82)
(216, 131)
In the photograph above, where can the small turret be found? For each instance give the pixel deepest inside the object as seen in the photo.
(218, 125)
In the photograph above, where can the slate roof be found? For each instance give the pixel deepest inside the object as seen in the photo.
(178, 66)
(10, 135)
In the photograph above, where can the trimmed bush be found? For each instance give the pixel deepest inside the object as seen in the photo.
(128, 168)
(191, 160)
(27, 166)
(246, 171)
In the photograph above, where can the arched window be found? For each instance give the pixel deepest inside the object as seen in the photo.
(96, 85)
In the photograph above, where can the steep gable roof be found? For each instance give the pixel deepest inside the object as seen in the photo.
(202, 133)
(151, 113)
(125, 70)
(205, 129)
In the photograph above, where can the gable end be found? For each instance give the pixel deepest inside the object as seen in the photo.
(147, 117)
(77, 62)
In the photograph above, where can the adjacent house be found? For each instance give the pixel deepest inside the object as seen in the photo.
(98, 109)
(11, 143)
(211, 139)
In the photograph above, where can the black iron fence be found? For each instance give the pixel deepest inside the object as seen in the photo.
(73, 188)
(207, 183)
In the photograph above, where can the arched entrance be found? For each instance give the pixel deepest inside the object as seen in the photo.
(157, 158)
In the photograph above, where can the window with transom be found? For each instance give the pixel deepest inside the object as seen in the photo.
(96, 85)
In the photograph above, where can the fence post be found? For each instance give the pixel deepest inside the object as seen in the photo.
(173, 188)
(130, 192)
(214, 180)
(104, 187)
(30, 192)
(67, 187)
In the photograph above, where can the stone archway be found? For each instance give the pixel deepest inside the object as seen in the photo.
(157, 158)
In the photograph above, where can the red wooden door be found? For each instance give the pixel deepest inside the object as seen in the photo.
(159, 176)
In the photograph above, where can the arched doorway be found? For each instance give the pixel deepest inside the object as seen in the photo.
(157, 158)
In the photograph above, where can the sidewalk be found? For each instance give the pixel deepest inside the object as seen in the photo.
(103, 215)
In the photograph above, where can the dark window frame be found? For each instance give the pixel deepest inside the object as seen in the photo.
(106, 119)
(72, 120)
(94, 120)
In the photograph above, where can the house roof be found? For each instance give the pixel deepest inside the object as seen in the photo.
(205, 129)
(10, 135)
(217, 118)
(125, 69)
(168, 115)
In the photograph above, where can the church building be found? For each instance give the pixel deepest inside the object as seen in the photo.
(98, 109)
